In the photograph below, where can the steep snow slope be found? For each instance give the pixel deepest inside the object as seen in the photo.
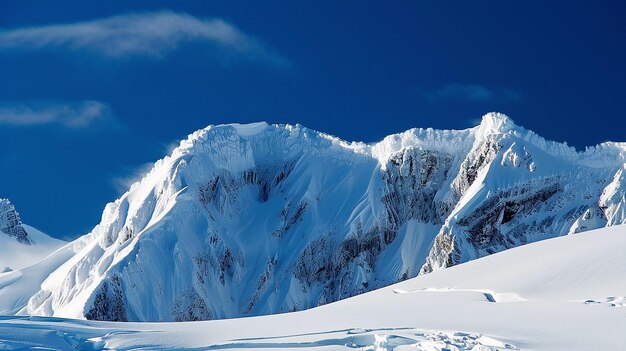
(565, 293)
(21, 245)
(244, 220)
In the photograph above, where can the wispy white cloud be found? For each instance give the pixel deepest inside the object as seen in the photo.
(471, 92)
(73, 115)
(149, 34)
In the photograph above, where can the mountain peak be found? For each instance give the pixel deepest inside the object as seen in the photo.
(10, 222)
(496, 122)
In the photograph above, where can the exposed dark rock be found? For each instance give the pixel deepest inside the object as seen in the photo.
(289, 216)
(6, 270)
(108, 303)
(190, 307)
(263, 282)
(11, 224)
(412, 179)
(472, 164)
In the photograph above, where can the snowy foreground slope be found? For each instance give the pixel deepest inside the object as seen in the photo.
(21, 245)
(245, 220)
(566, 293)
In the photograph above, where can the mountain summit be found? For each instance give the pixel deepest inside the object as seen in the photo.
(244, 220)
(11, 224)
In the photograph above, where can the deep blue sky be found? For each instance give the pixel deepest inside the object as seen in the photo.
(85, 104)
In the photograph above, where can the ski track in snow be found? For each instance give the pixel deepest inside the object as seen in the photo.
(396, 339)
(61, 335)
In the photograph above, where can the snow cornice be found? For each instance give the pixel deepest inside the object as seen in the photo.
(494, 125)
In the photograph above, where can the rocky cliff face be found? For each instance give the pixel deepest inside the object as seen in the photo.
(11, 224)
(528, 191)
(245, 220)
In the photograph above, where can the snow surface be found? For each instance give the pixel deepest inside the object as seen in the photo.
(16, 255)
(18, 286)
(566, 293)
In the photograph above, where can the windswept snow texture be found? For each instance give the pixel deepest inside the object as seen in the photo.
(560, 294)
(246, 220)
(20, 244)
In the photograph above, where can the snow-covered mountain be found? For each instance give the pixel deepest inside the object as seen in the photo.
(565, 293)
(21, 245)
(244, 220)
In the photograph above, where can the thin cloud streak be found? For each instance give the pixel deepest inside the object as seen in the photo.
(72, 115)
(471, 92)
(150, 34)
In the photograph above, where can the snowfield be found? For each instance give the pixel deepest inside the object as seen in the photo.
(566, 293)
(15, 255)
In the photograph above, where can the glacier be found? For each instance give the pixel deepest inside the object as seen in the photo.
(247, 220)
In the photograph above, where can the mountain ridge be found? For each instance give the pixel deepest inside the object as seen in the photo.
(243, 220)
